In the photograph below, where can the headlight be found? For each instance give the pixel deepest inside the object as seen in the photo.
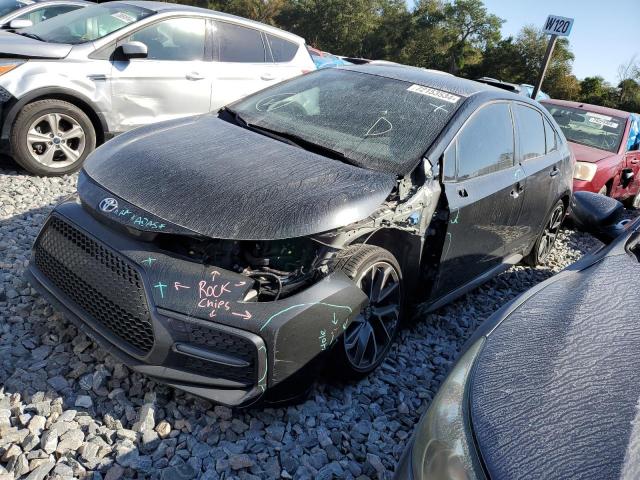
(585, 171)
(443, 446)
(8, 65)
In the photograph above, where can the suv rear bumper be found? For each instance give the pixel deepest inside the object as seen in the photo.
(93, 273)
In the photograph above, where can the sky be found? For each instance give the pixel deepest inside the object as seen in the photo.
(604, 35)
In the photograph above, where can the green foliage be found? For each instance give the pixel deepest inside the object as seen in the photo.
(457, 36)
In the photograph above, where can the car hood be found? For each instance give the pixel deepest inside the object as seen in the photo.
(13, 45)
(223, 181)
(584, 153)
(556, 387)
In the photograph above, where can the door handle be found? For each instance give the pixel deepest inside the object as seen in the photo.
(267, 77)
(554, 171)
(463, 192)
(635, 161)
(194, 76)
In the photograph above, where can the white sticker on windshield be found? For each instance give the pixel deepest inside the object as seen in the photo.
(124, 17)
(600, 121)
(433, 93)
(600, 116)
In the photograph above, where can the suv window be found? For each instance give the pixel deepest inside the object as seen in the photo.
(282, 50)
(551, 137)
(485, 144)
(178, 39)
(531, 136)
(239, 44)
(45, 13)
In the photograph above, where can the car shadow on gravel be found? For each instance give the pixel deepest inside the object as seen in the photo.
(67, 407)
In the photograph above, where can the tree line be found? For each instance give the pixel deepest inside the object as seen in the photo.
(456, 36)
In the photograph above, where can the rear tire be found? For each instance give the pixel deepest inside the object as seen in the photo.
(547, 238)
(52, 137)
(367, 340)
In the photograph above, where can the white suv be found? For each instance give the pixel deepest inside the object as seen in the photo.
(76, 80)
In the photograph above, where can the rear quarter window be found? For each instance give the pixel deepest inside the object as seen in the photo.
(282, 50)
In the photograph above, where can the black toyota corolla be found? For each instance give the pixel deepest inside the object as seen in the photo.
(223, 254)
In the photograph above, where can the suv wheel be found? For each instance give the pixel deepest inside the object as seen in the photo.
(52, 137)
(547, 238)
(369, 337)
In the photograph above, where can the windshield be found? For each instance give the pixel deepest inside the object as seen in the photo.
(87, 24)
(588, 128)
(375, 122)
(8, 6)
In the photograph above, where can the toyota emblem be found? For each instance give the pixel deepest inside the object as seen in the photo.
(108, 205)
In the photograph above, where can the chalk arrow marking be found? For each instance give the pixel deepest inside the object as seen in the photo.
(239, 284)
(246, 315)
(178, 286)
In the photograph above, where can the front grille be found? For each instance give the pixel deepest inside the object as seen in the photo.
(217, 341)
(98, 280)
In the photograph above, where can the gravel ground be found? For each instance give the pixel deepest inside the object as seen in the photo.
(69, 410)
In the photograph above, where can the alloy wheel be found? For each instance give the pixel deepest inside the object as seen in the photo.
(56, 140)
(370, 334)
(550, 232)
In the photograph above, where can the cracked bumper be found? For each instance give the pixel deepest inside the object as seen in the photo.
(181, 322)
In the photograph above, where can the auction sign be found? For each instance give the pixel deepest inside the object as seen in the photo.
(556, 25)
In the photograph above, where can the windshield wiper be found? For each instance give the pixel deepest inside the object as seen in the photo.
(31, 35)
(290, 138)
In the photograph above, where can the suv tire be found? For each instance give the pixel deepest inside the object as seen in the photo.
(368, 338)
(52, 137)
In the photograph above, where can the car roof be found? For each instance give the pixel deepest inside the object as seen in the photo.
(613, 112)
(162, 7)
(435, 79)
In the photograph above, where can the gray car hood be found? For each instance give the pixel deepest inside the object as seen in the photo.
(223, 181)
(13, 45)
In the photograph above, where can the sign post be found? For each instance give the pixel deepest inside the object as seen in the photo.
(556, 27)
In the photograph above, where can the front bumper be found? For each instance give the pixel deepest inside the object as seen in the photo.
(182, 322)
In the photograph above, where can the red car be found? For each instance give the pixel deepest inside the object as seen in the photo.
(605, 144)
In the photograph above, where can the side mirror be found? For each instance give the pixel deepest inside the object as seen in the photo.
(599, 215)
(134, 50)
(18, 24)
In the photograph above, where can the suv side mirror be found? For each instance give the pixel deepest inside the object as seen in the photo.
(18, 24)
(598, 215)
(134, 50)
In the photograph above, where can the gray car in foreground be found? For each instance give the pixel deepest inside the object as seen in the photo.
(70, 83)
(549, 386)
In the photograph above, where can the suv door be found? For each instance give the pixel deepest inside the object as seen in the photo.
(484, 197)
(173, 81)
(241, 63)
(541, 162)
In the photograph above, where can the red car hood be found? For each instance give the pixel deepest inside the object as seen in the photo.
(588, 154)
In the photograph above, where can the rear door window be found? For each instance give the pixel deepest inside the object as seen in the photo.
(486, 144)
(239, 44)
(282, 50)
(531, 135)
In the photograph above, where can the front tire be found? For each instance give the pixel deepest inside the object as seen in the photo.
(52, 137)
(547, 238)
(368, 338)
